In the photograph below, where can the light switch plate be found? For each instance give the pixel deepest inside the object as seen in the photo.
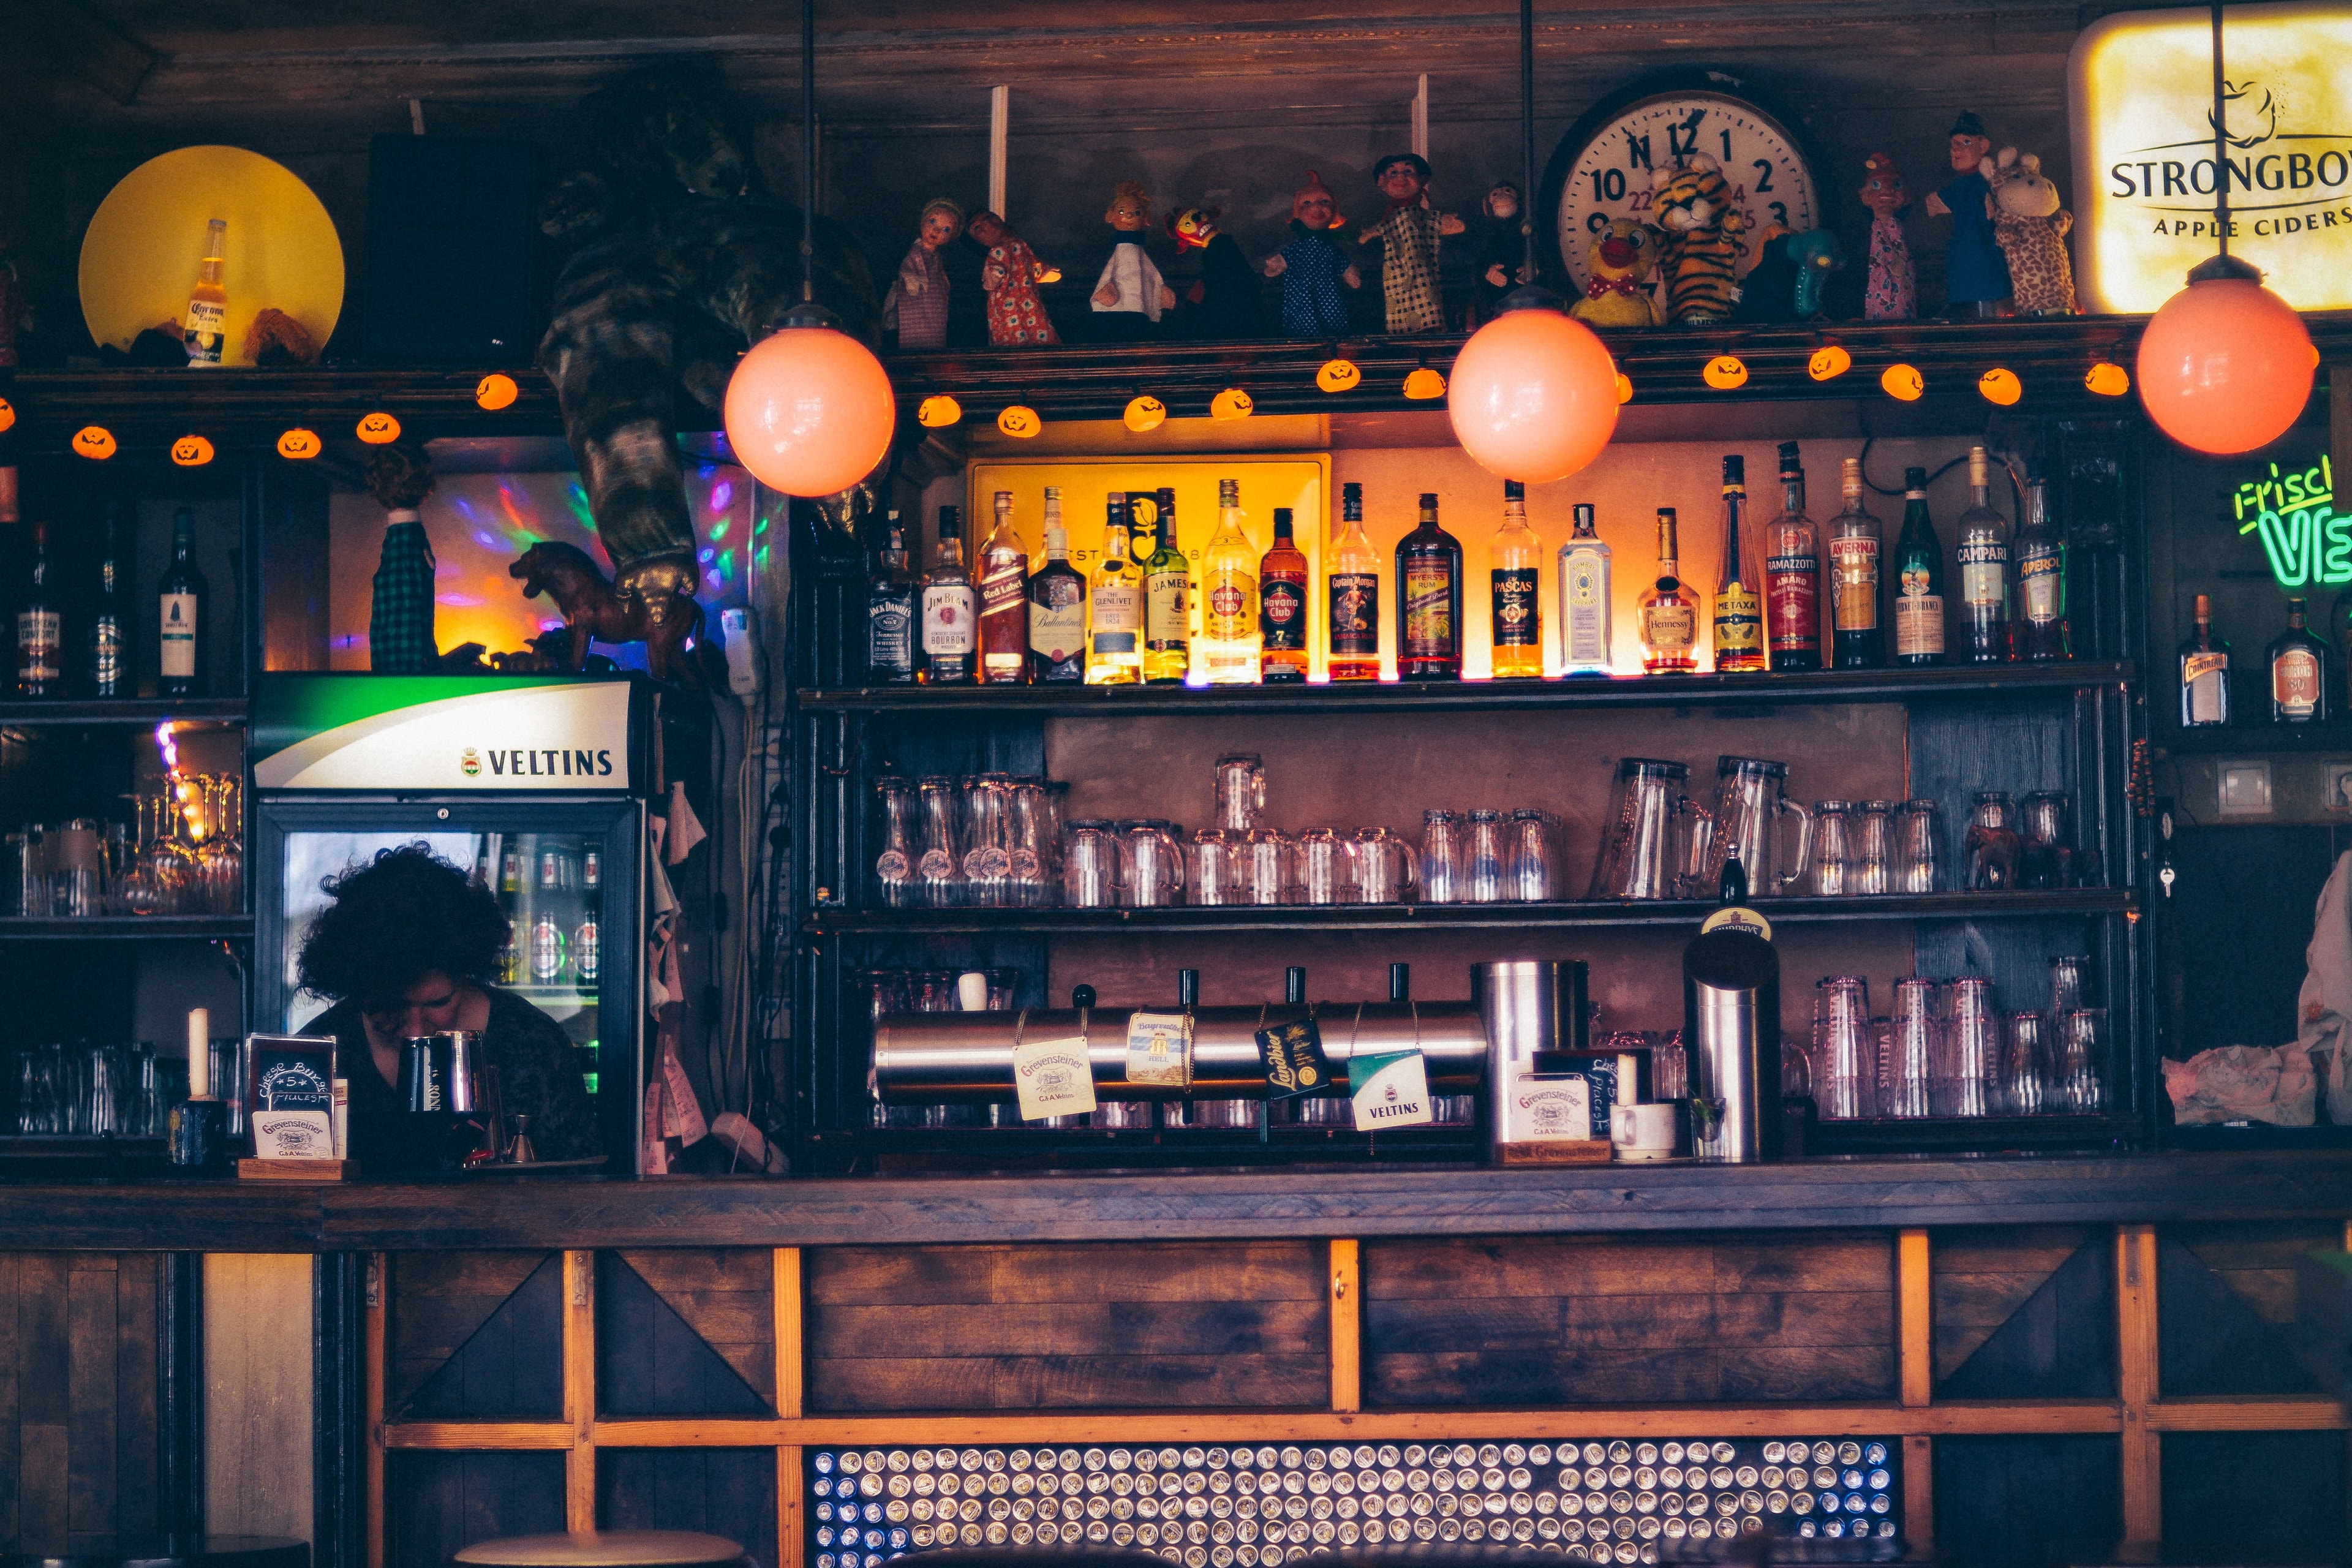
(2338, 793)
(2245, 789)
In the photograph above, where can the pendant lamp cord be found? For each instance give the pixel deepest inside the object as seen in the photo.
(808, 145)
(2221, 140)
(1528, 128)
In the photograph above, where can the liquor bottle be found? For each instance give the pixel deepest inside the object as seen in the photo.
(180, 612)
(2204, 673)
(950, 610)
(2041, 632)
(890, 612)
(40, 626)
(103, 666)
(1514, 562)
(1918, 579)
(1855, 539)
(2299, 666)
(1982, 551)
(1058, 606)
(1230, 638)
(1354, 581)
(1114, 608)
(1666, 618)
(1282, 606)
(1167, 598)
(205, 329)
(1003, 602)
(1739, 608)
(1584, 592)
(1792, 573)
(1429, 595)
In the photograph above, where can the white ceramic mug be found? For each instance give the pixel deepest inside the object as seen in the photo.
(1643, 1132)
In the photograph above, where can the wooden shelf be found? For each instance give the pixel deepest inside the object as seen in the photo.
(142, 712)
(2255, 738)
(1433, 696)
(129, 928)
(1588, 915)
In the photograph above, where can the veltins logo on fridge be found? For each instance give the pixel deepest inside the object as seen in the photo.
(539, 762)
(470, 764)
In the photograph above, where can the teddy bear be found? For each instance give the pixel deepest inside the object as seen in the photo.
(2031, 230)
(1620, 263)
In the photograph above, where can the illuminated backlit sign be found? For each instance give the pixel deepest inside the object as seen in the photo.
(2304, 538)
(2141, 100)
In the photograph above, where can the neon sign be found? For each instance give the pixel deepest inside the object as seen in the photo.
(2305, 538)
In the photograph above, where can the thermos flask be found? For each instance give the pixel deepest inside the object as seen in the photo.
(1731, 1031)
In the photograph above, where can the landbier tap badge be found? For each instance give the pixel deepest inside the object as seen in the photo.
(1292, 1055)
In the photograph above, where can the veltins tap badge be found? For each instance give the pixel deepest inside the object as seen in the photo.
(1390, 1091)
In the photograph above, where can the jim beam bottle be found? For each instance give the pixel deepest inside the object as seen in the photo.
(1003, 602)
(1515, 564)
(1666, 617)
(1738, 608)
(1429, 590)
(950, 609)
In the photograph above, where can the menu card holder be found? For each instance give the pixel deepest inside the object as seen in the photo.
(289, 1110)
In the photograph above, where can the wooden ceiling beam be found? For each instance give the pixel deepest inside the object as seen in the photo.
(67, 44)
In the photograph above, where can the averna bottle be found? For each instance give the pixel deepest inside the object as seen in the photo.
(1792, 574)
(1429, 590)
(2298, 666)
(1983, 555)
(40, 626)
(1058, 606)
(1282, 606)
(1739, 608)
(1114, 608)
(950, 609)
(2204, 673)
(1859, 641)
(102, 661)
(890, 611)
(1514, 562)
(1354, 580)
(1166, 592)
(2042, 635)
(1919, 579)
(1667, 616)
(1584, 590)
(1231, 638)
(1003, 602)
(180, 614)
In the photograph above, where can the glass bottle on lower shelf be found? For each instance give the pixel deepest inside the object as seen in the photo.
(2299, 673)
(2204, 673)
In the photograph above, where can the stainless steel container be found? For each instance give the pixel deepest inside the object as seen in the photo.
(929, 1059)
(1525, 1005)
(1731, 1025)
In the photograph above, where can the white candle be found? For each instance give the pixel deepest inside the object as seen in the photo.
(200, 1054)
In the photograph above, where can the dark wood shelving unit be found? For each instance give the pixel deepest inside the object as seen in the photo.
(143, 712)
(129, 928)
(2257, 739)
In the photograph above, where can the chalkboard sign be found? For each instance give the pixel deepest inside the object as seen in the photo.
(290, 1095)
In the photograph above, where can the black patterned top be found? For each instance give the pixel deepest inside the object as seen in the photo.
(538, 1077)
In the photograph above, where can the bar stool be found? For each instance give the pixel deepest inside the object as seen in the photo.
(608, 1549)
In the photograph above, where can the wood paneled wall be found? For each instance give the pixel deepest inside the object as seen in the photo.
(79, 1395)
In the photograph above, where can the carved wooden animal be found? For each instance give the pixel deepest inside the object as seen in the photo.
(594, 609)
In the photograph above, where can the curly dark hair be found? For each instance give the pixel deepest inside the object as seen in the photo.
(403, 915)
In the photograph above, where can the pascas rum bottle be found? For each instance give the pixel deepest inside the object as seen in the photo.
(1514, 562)
(1003, 602)
(1230, 637)
(1282, 606)
(1114, 608)
(1429, 591)
(1167, 590)
(1058, 606)
(1792, 574)
(1738, 608)
(1354, 579)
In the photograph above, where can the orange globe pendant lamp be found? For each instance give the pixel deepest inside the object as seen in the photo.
(809, 410)
(2226, 366)
(1533, 396)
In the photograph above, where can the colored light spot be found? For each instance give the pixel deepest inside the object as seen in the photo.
(705, 556)
(719, 530)
(460, 601)
(722, 495)
(485, 539)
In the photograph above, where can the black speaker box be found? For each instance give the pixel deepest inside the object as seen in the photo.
(451, 249)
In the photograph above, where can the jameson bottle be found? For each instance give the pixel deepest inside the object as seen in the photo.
(1354, 580)
(1859, 641)
(1584, 599)
(1282, 606)
(1428, 593)
(1666, 618)
(180, 616)
(1918, 579)
(40, 626)
(1982, 553)
(103, 660)
(1230, 630)
(950, 610)
(2299, 666)
(1003, 602)
(890, 611)
(2204, 673)
(2041, 632)
(1514, 562)
(1739, 608)
(1058, 606)
(1792, 573)
(1167, 591)
(1114, 608)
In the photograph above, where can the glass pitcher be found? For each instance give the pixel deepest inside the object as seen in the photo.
(1646, 849)
(1752, 808)
(895, 867)
(1240, 792)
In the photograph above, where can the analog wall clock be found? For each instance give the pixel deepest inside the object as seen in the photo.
(1611, 162)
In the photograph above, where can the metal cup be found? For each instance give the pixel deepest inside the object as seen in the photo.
(425, 1073)
(466, 1063)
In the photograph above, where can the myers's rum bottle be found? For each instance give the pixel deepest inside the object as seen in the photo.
(1003, 602)
(1514, 562)
(1429, 591)
(1738, 608)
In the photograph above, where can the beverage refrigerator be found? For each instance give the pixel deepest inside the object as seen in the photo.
(544, 787)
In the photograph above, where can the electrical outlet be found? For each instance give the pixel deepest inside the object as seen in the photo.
(2245, 789)
(2338, 796)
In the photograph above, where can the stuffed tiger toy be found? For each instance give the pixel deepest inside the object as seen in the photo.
(1699, 258)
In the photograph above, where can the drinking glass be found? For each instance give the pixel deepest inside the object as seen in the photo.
(28, 872)
(1481, 858)
(2025, 1068)
(1993, 844)
(988, 839)
(1003, 984)
(1903, 1092)
(101, 1111)
(1383, 867)
(1327, 867)
(2069, 975)
(1918, 846)
(1831, 847)
(2076, 1087)
(938, 869)
(894, 867)
(1967, 1081)
(1217, 868)
(1240, 792)
(2046, 859)
(1032, 844)
(1845, 1067)
(1153, 861)
(77, 868)
(1270, 868)
(1090, 865)
(1527, 873)
(1871, 873)
(1441, 858)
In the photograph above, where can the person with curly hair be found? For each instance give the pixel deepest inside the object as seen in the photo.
(407, 948)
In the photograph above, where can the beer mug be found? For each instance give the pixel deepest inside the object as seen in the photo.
(1647, 848)
(1217, 868)
(1327, 867)
(1269, 861)
(1154, 864)
(1090, 865)
(1240, 792)
(1441, 858)
(1383, 867)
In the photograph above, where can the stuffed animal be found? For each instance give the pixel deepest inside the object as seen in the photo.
(1502, 253)
(593, 608)
(2031, 228)
(1620, 263)
(916, 304)
(1975, 278)
(1016, 317)
(1817, 255)
(1699, 257)
(1224, 299)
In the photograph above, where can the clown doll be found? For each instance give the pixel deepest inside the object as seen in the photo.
(1130, 295)
(1409, 232)
(1893, 292)
(1016, 318)
(1312, 267)
(1224, 300)
(917, 301)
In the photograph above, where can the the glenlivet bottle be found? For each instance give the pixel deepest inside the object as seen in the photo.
(180, 616)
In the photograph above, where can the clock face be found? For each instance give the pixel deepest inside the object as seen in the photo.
(1616, 173)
